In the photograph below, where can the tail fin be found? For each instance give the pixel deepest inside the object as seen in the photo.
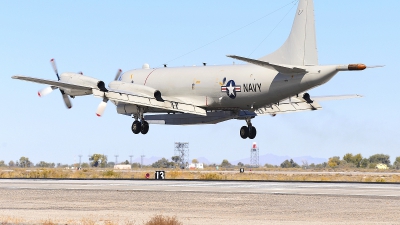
(300, 48)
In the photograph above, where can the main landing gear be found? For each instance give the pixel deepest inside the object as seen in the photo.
(141, 126)
(248, 131)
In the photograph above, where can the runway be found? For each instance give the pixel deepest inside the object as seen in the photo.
(293, 188)
(199, 202)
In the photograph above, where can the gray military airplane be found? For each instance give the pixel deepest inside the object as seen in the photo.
(273, 84)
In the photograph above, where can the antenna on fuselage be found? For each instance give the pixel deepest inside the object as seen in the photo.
(204, 64)
(165, 65)
(117, 76)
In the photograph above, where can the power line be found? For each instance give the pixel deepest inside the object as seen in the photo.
(272, 30)
(232, 32)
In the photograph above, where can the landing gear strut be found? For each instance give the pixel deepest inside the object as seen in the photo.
(248, 131)
(141, 126)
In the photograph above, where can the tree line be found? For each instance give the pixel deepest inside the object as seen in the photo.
(99, 160)
(347, 161)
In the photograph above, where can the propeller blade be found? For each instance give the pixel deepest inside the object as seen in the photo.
(45, 91)
(101, 108)
(53, 64)
(67, 101)
(118, 74)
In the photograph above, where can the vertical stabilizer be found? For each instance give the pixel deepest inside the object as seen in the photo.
(301, 47)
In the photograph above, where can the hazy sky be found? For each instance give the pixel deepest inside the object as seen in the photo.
(99, 37)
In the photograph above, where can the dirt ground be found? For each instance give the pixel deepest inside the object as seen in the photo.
(30, 206)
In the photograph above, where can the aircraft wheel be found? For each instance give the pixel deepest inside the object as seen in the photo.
(145, 127)
(136, 127)
(244, 132)
(252, 133)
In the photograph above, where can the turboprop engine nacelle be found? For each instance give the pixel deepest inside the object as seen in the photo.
(136, 88)
(79, 79)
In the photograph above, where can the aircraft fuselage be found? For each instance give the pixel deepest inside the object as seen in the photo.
(234, 86)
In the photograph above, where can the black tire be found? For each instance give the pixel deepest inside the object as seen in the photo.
(244, 132)
(145, 127)
(136, 127)
(252, 133)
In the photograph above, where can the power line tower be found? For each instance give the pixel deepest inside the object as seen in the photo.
(182, 150)
(141, 160)
(116, 159)
(130, 159)
(254, 155)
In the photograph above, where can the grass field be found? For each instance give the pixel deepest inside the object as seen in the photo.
(155, 220)
(274, 174)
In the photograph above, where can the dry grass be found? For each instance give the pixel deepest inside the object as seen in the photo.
(155, 220)
(163, 220)
(271, 174)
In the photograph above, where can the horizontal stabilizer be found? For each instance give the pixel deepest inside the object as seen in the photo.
(298, 104)
(54, 83)
(280, 68)
(335, 97)
(294, 104)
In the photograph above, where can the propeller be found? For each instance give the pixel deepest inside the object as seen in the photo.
(103, 104)
(53, 64)
(47, 90)
(65, 97)
(101, 107)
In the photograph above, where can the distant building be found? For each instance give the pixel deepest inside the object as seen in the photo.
(122, 167)
(381, 166)
(193, 166)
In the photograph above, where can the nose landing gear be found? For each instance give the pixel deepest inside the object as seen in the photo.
(248, 131)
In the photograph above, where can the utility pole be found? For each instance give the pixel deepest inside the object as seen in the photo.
(131, 158)
(80, 160)
(141, 160)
